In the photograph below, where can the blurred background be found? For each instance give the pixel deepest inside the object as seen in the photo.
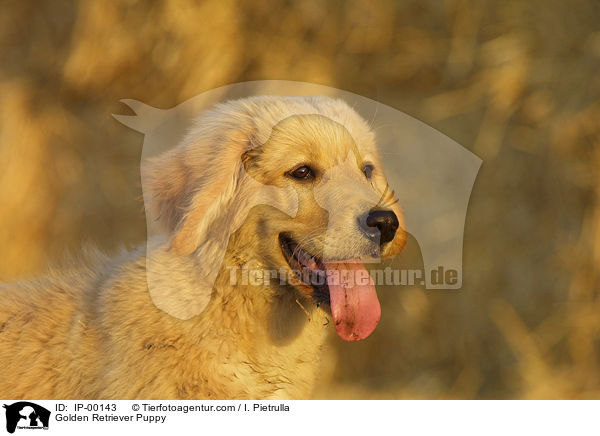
(516, 82)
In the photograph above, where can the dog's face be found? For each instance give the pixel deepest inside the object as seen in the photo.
(345, 207)
(346, 213)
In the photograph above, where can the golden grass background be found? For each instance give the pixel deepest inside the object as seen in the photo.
(516, 82)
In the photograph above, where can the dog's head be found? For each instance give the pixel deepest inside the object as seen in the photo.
(315, 156)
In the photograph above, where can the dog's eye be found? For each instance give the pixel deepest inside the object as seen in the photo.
(368, 170)
(302, 173)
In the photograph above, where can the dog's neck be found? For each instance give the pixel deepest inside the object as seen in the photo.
(274, 329)
(268, 324)
(284, 314)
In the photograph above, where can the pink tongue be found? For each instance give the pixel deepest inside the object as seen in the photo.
(354, 304)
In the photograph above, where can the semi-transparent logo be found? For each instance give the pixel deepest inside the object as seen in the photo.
(428, 175)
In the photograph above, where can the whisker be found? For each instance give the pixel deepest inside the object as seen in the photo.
(387, 198)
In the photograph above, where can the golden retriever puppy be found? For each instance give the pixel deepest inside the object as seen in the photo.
(292, 185)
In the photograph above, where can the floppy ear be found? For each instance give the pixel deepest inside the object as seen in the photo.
(190, 186)
(199, 194)
(165, 189)
(190, 193)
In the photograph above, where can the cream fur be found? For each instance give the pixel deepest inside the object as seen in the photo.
(111, 329)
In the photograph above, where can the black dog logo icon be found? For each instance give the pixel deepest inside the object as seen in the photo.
(26, 415)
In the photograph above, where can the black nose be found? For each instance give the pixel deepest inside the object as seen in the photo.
(382, 223)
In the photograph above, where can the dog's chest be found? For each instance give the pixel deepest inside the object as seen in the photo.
(257, 370)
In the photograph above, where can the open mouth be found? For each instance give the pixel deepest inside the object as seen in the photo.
(309, 268)
(343, 284)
